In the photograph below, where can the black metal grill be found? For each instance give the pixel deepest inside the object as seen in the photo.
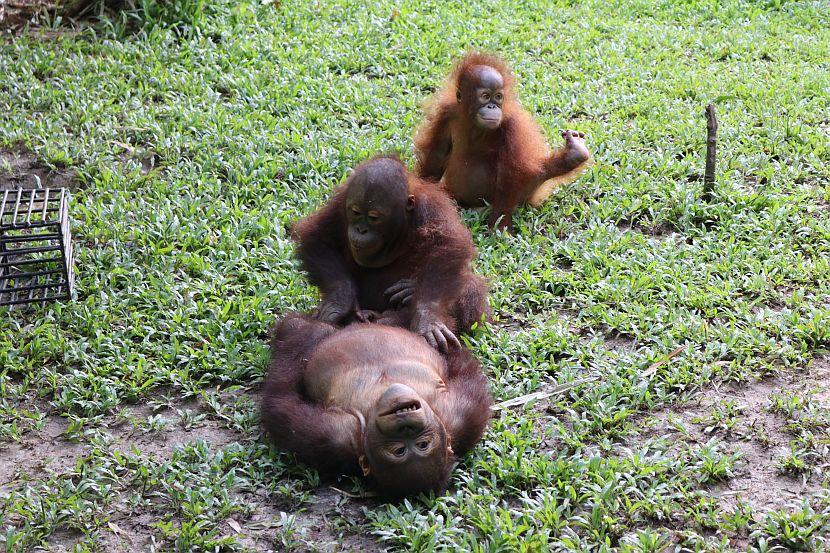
(35, 246)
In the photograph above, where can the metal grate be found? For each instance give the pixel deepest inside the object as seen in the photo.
(35, 246)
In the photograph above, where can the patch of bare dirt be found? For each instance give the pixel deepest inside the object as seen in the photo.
(129, 534)
(820, 373)
(46, 451)
(326, 520)
(64, 541)
(21, 168)
(757, 433)
(651, 229)
(620, 342)
(510, 323)
(17, 16)
(612, 338)
(49, 450)
(329, 520)
(160, 444)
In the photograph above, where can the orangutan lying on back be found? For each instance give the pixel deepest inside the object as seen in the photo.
(375, 399)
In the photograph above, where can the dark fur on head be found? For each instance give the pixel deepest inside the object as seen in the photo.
(462, 73)
(395, 486)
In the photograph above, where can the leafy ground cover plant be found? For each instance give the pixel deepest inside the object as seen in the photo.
(128, 418)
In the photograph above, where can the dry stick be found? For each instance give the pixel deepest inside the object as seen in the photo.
(653, 368)
(362, 495)
(711, 152)
(561, 388)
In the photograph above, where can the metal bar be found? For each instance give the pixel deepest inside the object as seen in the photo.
(30, 262)
(17, 206)
(30, 225)
(32, 287)
(69, 269)
(64, 222)
(29, 238)
(31, 205)
(3, 205)
(34, 300)
(37, 249)
(45, 203)
(29, 275)
(66, 242)
(3, 271)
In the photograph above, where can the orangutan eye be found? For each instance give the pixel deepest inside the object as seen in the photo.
(499, 97)
(485, 97)
(355, 211)
(399, 451)
(423, 444)
(373, 216)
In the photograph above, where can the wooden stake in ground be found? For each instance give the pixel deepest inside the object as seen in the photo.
(711, 152)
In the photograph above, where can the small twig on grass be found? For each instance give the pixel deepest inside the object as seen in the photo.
(119, 532)
(350, 495)
(711, 152)
(653, 368)
(561, 388)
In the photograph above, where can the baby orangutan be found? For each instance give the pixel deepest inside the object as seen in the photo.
(392, 249)
(373, 399)
(486, 147)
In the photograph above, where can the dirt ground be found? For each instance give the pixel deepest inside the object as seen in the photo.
(21, 168)
(759, 435)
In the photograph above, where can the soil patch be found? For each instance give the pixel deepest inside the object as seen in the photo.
(39, 452)
(21, 168)
(741, 416)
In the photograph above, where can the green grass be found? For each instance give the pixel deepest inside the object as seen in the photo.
(251, 112)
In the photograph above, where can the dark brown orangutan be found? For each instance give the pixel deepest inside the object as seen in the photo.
(373, 399)
(487, 148)
(390, 248)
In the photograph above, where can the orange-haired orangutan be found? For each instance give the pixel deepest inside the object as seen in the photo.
(389, 248)
(487, 147)
(373, 399)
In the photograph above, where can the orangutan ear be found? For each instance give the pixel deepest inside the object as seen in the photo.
(364, 465)
(450, 452)
(458, 96)
(410, 203)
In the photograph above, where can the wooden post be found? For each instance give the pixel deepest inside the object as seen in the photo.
(711, 152)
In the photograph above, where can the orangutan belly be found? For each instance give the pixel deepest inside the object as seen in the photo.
(471, 183)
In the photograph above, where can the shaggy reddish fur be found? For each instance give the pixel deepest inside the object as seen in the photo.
(518, 164)
(327, 436)
(439, 253)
